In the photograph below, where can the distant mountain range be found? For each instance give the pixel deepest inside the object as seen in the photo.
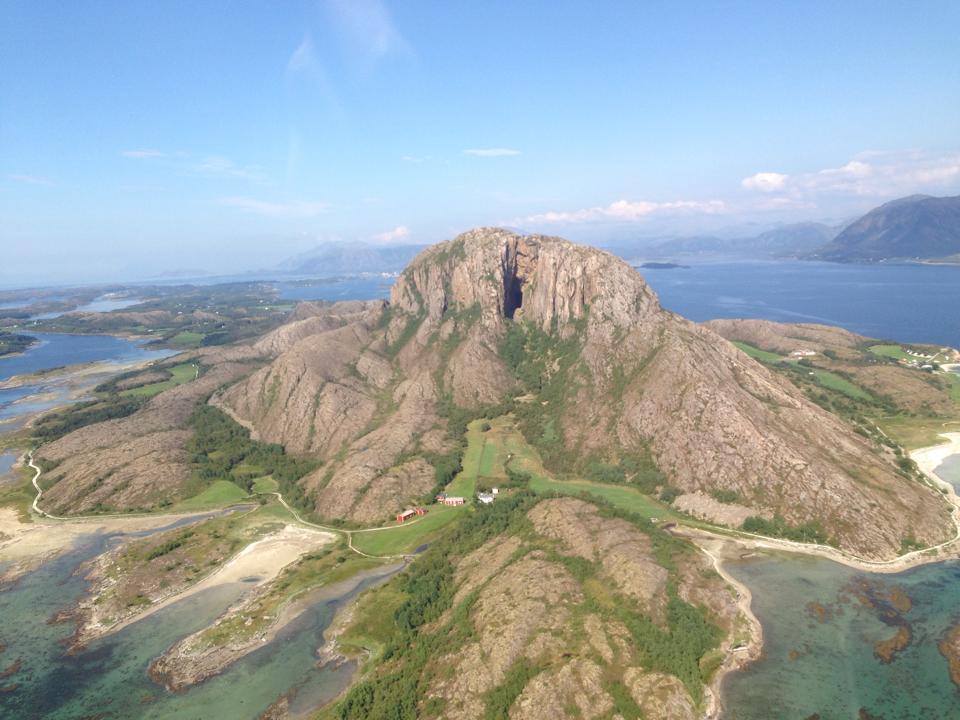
(794, 240)
(915, 228)
(343, 258)
(918, 227)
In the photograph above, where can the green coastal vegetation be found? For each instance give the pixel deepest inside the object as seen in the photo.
(48, 428)
(222, 451)
(320, 568)
(411, 622)
(178, 375)
(11, 342)
(113, 399)
(890, 416)
(184, 317)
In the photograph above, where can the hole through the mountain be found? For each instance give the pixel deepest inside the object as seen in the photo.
(513, 297)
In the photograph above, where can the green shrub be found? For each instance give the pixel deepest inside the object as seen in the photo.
(810, 532)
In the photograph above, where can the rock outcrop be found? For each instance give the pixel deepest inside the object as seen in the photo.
(366, 386)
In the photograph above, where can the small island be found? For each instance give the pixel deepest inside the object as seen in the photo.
(663, 266)
(11, 343)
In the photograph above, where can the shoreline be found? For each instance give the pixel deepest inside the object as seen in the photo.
(264, 558)
(27, 545)
(726, 548)
(185, 664)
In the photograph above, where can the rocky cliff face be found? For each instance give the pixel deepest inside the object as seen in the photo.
(609, 372)
(600, 623)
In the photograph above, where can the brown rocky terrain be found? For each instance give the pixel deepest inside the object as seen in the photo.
(560, 620)
(364, 389)
(950, 649)
(138, 461)
(370, 389)
(786, 337)
(909, 389)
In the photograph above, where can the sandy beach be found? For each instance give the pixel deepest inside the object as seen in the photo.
(929, 459)
(29, 544)
(263, 559)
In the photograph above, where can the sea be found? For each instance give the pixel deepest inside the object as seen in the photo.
(821, 620)
(906, 303)
(108, 679)
(55, 350)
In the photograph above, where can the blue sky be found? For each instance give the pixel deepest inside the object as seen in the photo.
(138, 137)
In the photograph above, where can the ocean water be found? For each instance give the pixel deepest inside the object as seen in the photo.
(56, 350)
(7, 459)
(108, 679)
(909, 303)
(823, 665)
(949, 470)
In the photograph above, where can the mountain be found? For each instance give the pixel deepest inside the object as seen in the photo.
(791, 240)
(601, 379)
(342, 258)
(918, 227)
(794, 240)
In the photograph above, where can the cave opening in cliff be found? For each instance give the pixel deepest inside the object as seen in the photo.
(512, 296)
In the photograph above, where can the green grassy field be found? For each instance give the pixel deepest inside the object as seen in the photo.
(179, 374)
(621, 496)
(219, 493)
(407, 537)
(265, 484)
(524, 458)
(912, 432)
(484, 458)
(833, 381)
(954, 380)
(187, 339)
(758, 354)
(890, 351)
(827, 379)
(465, 483)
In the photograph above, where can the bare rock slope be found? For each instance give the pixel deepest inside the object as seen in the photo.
(615, 374)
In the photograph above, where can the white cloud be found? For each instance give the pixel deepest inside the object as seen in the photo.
(400, 232)
(872, 174)
(367, 27)
(303, 58)
(30, 179)
(142, 154)
(491, 152)
(224, 167)
(209, 165)
(765, 181)
(283, 210)
(626, 211)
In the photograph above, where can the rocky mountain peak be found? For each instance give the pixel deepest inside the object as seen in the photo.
(545, 280)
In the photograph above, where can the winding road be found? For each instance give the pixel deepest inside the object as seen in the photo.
(296, 516)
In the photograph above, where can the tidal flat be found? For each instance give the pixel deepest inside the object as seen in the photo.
(108, 678)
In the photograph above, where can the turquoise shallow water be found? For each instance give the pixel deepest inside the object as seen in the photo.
(7, 460)
(109, 679)
(949, 470)
(825, 664)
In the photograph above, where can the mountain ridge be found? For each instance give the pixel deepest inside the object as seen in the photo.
(605, 376)
(917, 227)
